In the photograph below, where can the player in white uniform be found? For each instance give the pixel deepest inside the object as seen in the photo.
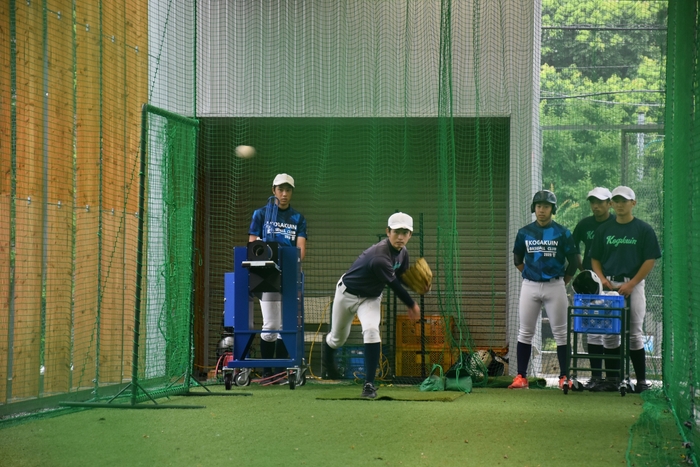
(541, 252)
(287, 229)
(623, 254)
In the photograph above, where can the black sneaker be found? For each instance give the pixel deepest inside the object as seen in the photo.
(369, 391)
(605, 386)
(593, 384)
(641, 387)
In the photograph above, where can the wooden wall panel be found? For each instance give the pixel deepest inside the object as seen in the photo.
(59, 211)
(86, 297)
(113, 190)
(88, 185)
(26, 341)
(136, 94)
(4, 289)
(131, 228)
(5, 193)
(57, 348)
(81, 81)
(112, 306)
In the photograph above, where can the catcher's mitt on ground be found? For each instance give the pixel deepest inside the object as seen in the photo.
(418, 277)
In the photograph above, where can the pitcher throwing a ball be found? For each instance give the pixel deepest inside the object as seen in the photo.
(359, 291)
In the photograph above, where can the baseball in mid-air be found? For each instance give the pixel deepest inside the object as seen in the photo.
(245, 152)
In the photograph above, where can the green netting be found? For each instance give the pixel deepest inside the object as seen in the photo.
(602, 121)
(375, 107)
(680, 300)
(453, 111)
(75, 76)
(164, 351)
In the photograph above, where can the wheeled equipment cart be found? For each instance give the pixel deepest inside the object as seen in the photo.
(598, 314)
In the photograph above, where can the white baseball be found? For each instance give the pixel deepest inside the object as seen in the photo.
(245, 152)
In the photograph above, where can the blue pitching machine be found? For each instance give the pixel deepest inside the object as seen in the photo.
(264, 267)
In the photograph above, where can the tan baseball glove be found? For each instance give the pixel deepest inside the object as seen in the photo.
(418, 277)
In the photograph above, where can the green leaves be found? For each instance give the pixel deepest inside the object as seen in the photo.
(603, 64)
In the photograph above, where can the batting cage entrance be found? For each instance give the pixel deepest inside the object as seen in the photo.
(429, 108)
(350, 175)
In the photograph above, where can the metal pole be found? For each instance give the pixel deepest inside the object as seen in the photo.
(422, 302)
(139, 256)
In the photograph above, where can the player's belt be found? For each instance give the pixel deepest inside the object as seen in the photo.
(617, 278)
(347, 289)
(553, 279)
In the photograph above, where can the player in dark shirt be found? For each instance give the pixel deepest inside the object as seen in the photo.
(359, 291)
(600, 200)
(623, 254)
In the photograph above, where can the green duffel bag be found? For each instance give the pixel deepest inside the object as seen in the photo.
(435, 380)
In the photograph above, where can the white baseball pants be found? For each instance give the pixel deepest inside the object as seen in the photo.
(638, 309)
(345, 306)
(552, 295)
(271, 307)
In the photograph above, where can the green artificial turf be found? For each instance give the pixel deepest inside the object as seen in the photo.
(390, 394)
(277, 426)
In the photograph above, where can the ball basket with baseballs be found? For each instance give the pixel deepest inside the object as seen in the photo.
(245, 152)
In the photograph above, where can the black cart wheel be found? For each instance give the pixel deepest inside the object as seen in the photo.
(302, 379)
(623, 391)
(292, 378)
(565, 388)
(228, 381)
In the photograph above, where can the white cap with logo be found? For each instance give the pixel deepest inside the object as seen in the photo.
(624, 191)
(401, 220)
(600, 193)
(281, 179)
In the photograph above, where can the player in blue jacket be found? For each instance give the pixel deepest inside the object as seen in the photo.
(623, 254)
(359, 291)
(287, 229)
(541, 252)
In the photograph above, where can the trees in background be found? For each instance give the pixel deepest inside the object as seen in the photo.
(603, 68)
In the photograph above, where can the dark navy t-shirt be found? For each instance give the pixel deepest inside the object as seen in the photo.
(584, 233)
(376, 267)
(623, 248)
(544, 250)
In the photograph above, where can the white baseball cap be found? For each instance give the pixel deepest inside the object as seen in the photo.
(281, 179)
(401, 220)
(624, 191)
(599, 192)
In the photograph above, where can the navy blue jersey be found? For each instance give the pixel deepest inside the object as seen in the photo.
(289, 225)
(376, 267)
(584, 233)
(544, 250)
(623, 248)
